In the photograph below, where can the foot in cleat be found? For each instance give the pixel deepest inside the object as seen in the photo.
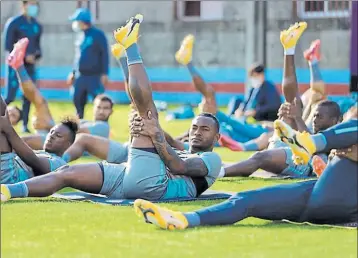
(17, 55)
(301, 144)
(128, 34)
(185, 53)
(290, 37)
(313, 53)
(163, 218)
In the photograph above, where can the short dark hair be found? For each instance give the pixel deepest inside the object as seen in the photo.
(20, 114)
(217, 124)
(334, 109)
(104, 97)
(257, 68)
(72, 124)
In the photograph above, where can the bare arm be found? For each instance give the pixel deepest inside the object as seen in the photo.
(301, 125)
(307, 111)
(39, 166)
(190, 167)
(194, 167)
(172, 142)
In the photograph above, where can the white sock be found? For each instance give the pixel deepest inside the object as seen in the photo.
(222, 173)
(290, 51)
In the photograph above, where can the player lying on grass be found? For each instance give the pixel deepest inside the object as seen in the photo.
(310, 99)
(229, 127)
(277, 158)
(103, 148)
(19, 162)
(331, 199)
(43, 120)
(109, 150)
(154, 170)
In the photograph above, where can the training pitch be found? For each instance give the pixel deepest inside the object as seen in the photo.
(52, 228)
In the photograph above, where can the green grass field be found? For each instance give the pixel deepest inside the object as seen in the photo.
(52, 228)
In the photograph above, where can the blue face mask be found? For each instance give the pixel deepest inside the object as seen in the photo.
(32, 10)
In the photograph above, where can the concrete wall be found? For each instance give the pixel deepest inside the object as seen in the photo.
(220, 43)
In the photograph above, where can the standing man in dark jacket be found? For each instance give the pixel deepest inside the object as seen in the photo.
(16, 28)
(263, 99)
(91, 65)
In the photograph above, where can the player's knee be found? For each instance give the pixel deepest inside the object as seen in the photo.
(260, 158)
(64, 174)
(82, 138)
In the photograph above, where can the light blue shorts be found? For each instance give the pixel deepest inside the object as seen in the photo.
(145, 175)
(297, 171)
(13, 170)
(117, 153)
(113, 175)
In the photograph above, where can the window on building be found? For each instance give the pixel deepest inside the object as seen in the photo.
(199, 10)
(322, 9)
(92, 5)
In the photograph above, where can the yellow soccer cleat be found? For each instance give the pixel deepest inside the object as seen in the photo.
(185, 53)
(128, 35)
(301, 144)
(163, 218)
(117, 50)
(290, 37)
(5, 193)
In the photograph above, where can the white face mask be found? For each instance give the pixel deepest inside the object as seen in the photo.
(76, 26)
(255, 83)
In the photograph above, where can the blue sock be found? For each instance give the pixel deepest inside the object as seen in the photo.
(66, 157)
(133, 55)
(124, 65)
(22, 74)
(18, 190)
(315, 72)
(192, 69)
(320, 141)
(192, 218)
(250, 146)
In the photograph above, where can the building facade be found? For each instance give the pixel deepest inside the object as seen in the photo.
(228, 33)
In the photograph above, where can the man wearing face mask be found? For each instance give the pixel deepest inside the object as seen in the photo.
(263, 100)
(24, 25)
(90, 71)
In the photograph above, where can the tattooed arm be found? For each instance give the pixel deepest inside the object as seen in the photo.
(190, 167)
(173, 142)
(194, 167)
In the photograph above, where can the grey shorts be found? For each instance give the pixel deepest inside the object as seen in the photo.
(145, 175)
(113, 175)
(297, 171)
(117, 153)
(13, 170)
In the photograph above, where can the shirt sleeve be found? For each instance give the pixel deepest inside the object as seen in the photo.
(99, 129)
(186, 146)
(104, 53)
(10, 34)
(38, 53)
(213, 163)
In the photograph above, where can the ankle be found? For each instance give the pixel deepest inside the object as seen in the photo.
(133, 55)
(290, 51)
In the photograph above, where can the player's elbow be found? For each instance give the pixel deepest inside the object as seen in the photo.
(179, 169)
